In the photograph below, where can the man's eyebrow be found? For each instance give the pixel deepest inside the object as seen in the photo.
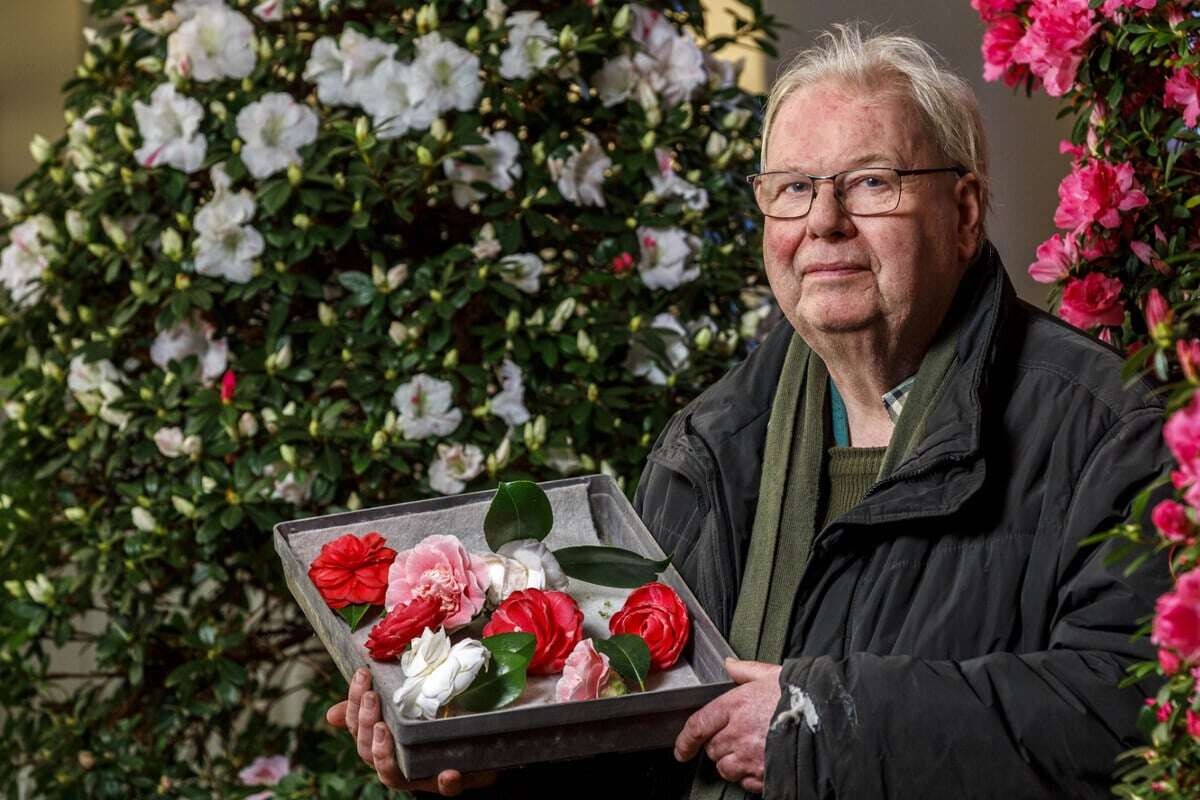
(867, 160)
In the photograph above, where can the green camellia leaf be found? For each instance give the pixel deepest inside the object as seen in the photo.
(628, 655)
(354, 614)
(609, 566)
(498, 685)
(520, 510)
(523, 644)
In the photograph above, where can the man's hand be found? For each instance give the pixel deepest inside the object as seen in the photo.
(734, 726)
(360, 715)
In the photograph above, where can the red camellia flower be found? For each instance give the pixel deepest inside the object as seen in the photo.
(391, 635)
(1095, 300)
(350, 570)
(552, 617)
(655, 613)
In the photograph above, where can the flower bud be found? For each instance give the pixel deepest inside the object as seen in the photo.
(236, 146)
(294, 174)
(143, 520)
(11, 206)
(539, 428)
(271, 420)
(582, 341)
(435, 295)
(75, 514)
(1159, 318)
(172, 244)
(715, 145)
(438, 130)
(289, 410)
(427, 19)
(397, 332)
(362, 130)
(378, 440)
(57, 175)
(183, 506)
(288, 454)
(247, 425)
(648, 140)
(424, 157)
(450, 361)
(283, 356)
(635, 323)
(561, 314)
(41, 149)
(531, 442)
(182, 282)
(302, 221)
(735, 120)
(125, 137)
(591, 354)
(472, 38)
(326, 314)
(512, 322)
(314, 427)
(703, 338)
(207, 484)
(114, 232)
(567, 39)
(149, 64)
(621, 22)
(192, 445)
(503, 452)
(353, 502)
(593, 392)
(77, 226)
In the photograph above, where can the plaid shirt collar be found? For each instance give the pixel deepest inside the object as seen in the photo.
(893, 401)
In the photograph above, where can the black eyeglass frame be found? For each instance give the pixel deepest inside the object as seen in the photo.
(957, 170)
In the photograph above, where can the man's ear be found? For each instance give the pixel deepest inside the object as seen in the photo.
(968, 195)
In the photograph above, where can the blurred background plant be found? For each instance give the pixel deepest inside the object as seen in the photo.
(302, 256)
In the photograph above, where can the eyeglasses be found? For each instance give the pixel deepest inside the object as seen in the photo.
(862, 192)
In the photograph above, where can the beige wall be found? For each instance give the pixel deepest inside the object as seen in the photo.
(1025, 164)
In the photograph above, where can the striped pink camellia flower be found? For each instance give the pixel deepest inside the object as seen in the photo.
(1097, 192)
(1093, 300)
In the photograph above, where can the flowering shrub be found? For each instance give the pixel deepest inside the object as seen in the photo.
(298, 256)
(1123, 268)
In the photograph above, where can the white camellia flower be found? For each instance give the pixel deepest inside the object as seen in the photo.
(453, 73)
(666, 254)
(217, 42)
(170, 130)
(519, 565)
(97, 385)
(193, 338)
(169, 441)
(396, 95)
(455, 465)
(426, 407)
(436, 672)
(580, 178)
(642, 362)
(530, 46)
(25, 261)
(274, 129)
(499, 169)
(615, 81)
(668, 183)
(227, 244)
(341, 69)
(509, 403)
(522, 270)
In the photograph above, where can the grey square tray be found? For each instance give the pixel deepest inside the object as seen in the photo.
(534, 729)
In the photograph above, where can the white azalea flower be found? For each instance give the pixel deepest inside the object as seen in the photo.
(396, 95)
(723, 73)
(193, 338)
(274, 129)
(169, 441)
(564, 460)
(325, 68)
(670, 62)
(269, 10)
(615, 81)
(666, 256)
(227, 244)
(170, 129)
(436, 672)
(425, 405)
(668, 183)
(530, 46)
(522, 270)
(643, 363)
(455, 465)
(217, 42)
(509, 403)
(580, 177)
(453, 73)
(24, 261)
(292, 490)
(97, 385)
(500, 167)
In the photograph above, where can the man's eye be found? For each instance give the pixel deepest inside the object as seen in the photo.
(797, 187)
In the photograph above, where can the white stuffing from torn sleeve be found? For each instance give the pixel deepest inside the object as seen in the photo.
(800, 707)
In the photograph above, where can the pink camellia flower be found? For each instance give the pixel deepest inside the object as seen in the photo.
(1182, 90)
(1097, 192)
(1094, 300)
(998, 42)
(1053, 47)
(439, 567)
(1177, 617)
(1055, 257)
(265, 771)
(228, 386)
(586, 675)
(1168, 662)
(1172, 521)
(1193, 724)
(1188, 353)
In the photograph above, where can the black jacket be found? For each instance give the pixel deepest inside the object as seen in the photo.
(952, 636)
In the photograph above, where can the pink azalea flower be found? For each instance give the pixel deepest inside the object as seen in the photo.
(1053, 47)
(265, 771)
(228, 386)
(1164, 712)
(1182, 435)
(1076, 151)
(1112, 7)
(1177, 617)
(1055, 257)
(1193, 724)
(998, 42)
(1094, 300)
(990, 10)
(1158, 312)
(1172, 521)
(1188, 353)
(1169, 663)
(1097, 192)
(1182, 90)
(1143, 251)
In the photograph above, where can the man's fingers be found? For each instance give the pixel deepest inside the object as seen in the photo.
(336, 715)
(368, 715)
(730, 768)
(449, 783)
(746, 671)
(700, 727)
(753, 785)
(383, 753)
(358, 685)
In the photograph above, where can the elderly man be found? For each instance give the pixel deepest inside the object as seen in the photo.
(887, 498)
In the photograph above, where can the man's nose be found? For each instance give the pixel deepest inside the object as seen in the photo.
(827, 217)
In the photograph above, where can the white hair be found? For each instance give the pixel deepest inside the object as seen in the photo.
(896, 64)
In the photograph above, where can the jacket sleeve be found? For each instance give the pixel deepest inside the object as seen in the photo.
(1034, 724)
